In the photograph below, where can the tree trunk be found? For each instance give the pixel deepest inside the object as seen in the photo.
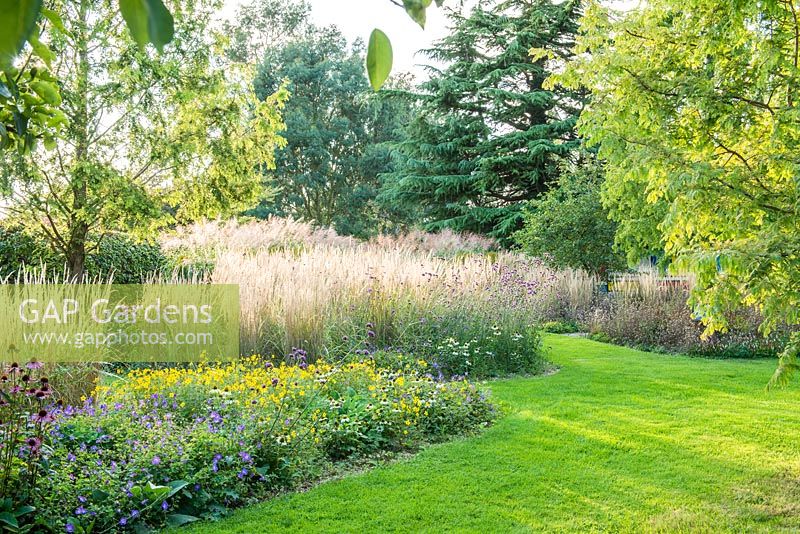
(78, 228)
(76, 253)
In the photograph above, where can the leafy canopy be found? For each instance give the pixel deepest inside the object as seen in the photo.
(695, 109)
(569, 227)
(150, 138)
(487, 136)
(336, 133)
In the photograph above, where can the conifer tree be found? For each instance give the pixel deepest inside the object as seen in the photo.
(487, 137)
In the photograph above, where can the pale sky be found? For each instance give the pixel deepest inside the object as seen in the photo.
(357, 18)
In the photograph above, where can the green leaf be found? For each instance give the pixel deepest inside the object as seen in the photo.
(379, 58)
(157, 492)
(416, 9)
(55, 20)
(41, 49)
(8, 519)
(23, 510)
(97, 495)
(4, 92)
(176, 520)
(48, 91)
(160, 24)
(149, 21)
(135, 14)
(175, 486)
(17, 20)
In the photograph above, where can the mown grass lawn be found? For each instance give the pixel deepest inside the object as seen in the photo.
(617, 440)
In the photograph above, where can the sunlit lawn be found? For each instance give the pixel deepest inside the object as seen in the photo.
(617, 440)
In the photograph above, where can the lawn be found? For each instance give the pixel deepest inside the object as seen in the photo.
(617, 440)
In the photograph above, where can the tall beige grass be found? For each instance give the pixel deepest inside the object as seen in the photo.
(279, 233)
(290, 299)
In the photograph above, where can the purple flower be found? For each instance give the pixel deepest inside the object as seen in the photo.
(134, 513)
(370, 333)
(164, 506)
(245, 457)
(42, 417)
(156, 460)
(123, 521)
(70, 527)
(80, 510)
(33, 364)
(34, 443)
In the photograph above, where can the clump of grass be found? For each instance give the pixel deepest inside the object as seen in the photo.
(361, 299)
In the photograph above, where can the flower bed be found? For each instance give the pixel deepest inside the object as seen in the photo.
(173, 445)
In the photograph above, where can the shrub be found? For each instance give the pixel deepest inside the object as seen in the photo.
(561, 327)
(19, 249)
(130, 261)
(649, 314)
(570, 228)
(176, 444)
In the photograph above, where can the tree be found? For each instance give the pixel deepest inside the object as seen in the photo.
(26, 116)
(336, 132)
(695, 110)
(487, 136)
(177, 130)
(569, 226)
(264, 24)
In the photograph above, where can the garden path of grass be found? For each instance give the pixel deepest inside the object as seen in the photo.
(618, 440)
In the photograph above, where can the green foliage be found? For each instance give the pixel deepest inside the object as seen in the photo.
(379, 52)
(560, 327)
(151, 138)
(149, 21)
(19, 249)
(697, 118)
(168, 447)
(487, 137)
(569, 227)
(658, 318)
(24, 122)
(29, 104)
(335, 137)
(128, 260)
